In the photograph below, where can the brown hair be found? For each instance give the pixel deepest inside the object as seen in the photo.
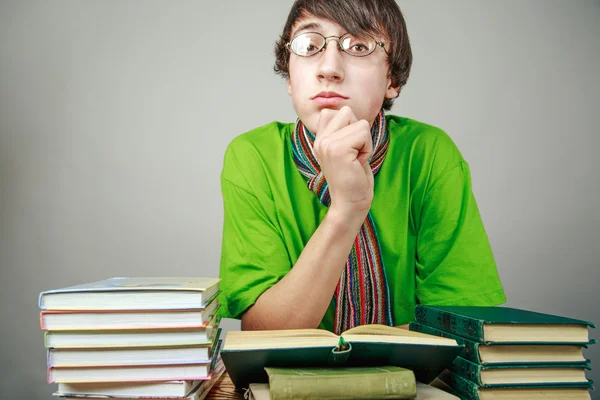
(376, 17)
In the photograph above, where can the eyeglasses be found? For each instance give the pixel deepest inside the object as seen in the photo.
(310, 43)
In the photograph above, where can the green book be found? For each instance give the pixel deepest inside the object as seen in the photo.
(247, 353)
(385, 382)
(469, 390)
(438, 390)
(521, 374)
(498, 353)
(503, 324)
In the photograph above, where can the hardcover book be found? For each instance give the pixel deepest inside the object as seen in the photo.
(133, 338)
(125, 319)
(107, 357)
(247, 353)
(503, 324)
(142, 373)
(522, 374)
(169, 390)
(384, 382)
(471, 391)
(172, 293)
(260, 391)
(496, 353)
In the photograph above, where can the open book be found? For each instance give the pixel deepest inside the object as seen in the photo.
(246, 353)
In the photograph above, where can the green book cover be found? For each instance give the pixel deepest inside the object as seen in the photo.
(520, 374)
(471, 323)
(473, 349)
(247, 353)
(469, 390)
(384, 382)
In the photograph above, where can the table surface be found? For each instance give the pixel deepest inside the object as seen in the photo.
(224, 390)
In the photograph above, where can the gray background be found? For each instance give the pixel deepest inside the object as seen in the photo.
(114, 117)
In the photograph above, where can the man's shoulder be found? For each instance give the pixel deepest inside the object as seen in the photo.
(263, 137)
(255, 150)
(420, 137)
(412, 129)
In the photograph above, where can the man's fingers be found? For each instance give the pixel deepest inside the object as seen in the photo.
(333, 120)
(353, 140)
(324, 118)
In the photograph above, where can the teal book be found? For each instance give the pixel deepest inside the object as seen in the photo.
(499, 353)
(503, 324)
(519, 374)
(343, 383)
(469, 390)
(246, 353)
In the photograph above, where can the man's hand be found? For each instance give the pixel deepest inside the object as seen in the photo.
(343, 146)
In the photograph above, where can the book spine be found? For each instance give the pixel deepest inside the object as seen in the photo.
(467, 370)
(42, 327)
(46, 345)
(215, 353)
(49, 357)
(471, 350)
(460, 325)
(401, 385)
(466, 389)
(40, 301)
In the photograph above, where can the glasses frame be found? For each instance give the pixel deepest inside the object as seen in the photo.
(338, 39)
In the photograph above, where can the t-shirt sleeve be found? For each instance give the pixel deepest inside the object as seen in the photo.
(253, 256)
(455, 264)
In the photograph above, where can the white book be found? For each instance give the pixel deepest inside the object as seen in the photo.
(117, 320)
(182, 372)
(127, 389)
(132, 338)
(148, 293)
(124, 357)
(184, 390)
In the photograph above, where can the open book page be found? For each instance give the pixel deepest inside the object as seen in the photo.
(390, 334)
(291, 338)
(277, 339)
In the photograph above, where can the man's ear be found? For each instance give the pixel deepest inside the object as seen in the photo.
(392, 91)
(289, 86)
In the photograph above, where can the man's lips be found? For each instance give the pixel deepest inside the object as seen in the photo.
(328, 95)
(328, 98)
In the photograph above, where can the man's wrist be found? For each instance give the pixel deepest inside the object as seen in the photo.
(345, 221)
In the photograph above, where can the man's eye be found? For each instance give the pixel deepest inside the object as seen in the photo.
(359, 48)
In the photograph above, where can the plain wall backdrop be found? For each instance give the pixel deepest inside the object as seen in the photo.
(115, 115)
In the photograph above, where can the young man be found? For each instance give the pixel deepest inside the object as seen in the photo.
(349, 216)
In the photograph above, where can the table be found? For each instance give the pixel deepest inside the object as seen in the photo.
(224, 390)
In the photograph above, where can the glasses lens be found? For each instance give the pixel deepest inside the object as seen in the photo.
(359, 46)
(307, 44)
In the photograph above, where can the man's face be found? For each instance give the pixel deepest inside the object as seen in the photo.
(361, 82)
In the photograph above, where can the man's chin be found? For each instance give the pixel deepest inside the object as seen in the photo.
(332, 107)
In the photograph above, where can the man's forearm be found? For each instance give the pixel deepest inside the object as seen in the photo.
(302, 297)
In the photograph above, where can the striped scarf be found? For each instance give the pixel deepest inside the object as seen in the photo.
(362, 294)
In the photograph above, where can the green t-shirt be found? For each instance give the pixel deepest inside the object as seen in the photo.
(435, 249)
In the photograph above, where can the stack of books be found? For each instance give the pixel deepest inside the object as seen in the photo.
(511, 353)
(133, 338)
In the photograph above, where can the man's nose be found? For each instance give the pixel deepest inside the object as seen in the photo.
(331, 66)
